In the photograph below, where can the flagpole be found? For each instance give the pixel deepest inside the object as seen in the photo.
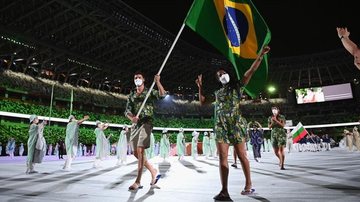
(51, 101)
(161, 68)
(71, 100)
(165, 60)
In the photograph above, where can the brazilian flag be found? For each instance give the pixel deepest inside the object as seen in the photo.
(237, 30)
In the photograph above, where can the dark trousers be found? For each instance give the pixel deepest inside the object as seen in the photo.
(256, 150)
(61, 153)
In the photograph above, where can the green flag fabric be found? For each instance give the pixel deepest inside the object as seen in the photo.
(238, 31)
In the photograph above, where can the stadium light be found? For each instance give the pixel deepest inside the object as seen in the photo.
(271, 89)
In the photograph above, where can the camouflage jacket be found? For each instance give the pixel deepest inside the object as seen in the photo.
(227, 104)
(134, 102)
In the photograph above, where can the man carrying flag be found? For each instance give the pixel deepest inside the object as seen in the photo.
(239, 32)
(142, 125)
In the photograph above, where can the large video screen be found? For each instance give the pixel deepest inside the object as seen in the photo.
(324, 93)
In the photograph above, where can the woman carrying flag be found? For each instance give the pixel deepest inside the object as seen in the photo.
(230, 125)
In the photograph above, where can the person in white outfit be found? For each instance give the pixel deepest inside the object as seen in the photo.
(71, 140)
(121, 149)
(206, 145)
(349, 139)
(50, 150)
(356, 138)
(21, 149)
(10, 147)
(289, 140)
(84, 149)
(213, 145)
(102, 146)
(194, 143)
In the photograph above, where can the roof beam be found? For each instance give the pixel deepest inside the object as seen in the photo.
(27, 14)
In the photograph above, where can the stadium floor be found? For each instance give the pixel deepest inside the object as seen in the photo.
(309, 176)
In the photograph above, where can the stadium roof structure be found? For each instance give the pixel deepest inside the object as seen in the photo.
(100, 44)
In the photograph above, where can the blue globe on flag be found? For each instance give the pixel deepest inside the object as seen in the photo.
(236, 26)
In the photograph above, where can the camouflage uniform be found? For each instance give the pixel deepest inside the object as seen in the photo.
(230, 125)
(278, 133)
(140, 134)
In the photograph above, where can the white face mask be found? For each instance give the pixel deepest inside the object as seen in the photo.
(138, 82)
(275, 111)
(224, 79)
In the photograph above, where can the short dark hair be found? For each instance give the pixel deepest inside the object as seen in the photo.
(139, 72)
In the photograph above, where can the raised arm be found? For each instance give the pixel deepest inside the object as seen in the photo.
(86, 117)
(258, 124)
(106, 125)
(349, 45)
(159, 85)
(42, 124)
(198, 82)
(255, 65)
(248, 125)
(108, 137)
